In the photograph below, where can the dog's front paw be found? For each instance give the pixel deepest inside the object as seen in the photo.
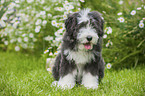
(66, 82)
(90, 81)
(63, 85)
(91, 86)
(66, 85)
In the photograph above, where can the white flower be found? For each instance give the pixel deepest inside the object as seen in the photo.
(71, 7)
(133, 12)
(17, 1)
(78, 4)
(53, 22)
(82, 0)
(28, 8)
(38, 22)
(57, 34)
(11, 5)
(6, 42)
(19, 39)
(12, 40)
(58, 38)
(17, 5)
(79, 9)
(37, 29)
(105, 36)
(141, 21)
(139, 8)
(31, 35)
(120, 13)
(66, 7)
(57, 25)
(16, 24)
(44, 22)
(42, 1)
(66, 2)
(57, 52)
(24, 35)
(48, 38)
(37, 15)
(64, 16)
(109, 30)
(59, 9)
(107, 45)
(49, 15)
(49, 69)
(26, 39)
(50, 54)
(2, 23)
(46, 51)
(4, 18)
(48, 60)
(69, 12)
(30, 1)
(2, 1)
(141, 25)
(17, 48)
(121, 19)
(60, 30)
(42, 13)
(109, 42)
(108, 66)
(120, 2)
(104, 12)
(9, 11)
(47, 8)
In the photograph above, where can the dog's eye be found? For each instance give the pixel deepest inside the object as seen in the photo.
(83, 24)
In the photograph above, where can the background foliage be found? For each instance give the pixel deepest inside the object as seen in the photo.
(38, 25)
(126, 17)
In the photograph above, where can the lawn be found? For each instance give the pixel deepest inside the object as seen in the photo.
(23, 74)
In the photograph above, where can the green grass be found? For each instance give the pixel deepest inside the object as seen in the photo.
(22, 74)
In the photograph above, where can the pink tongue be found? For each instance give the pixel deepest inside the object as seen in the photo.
(87, 46)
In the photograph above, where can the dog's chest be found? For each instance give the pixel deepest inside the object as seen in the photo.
(79, 73)
(80, 57)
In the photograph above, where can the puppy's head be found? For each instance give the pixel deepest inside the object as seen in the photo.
(84, 28)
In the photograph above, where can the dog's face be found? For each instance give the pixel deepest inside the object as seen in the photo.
(84, 28)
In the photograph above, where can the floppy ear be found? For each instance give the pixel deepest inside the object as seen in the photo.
(97, 22)
(71, 22)
(70, 25)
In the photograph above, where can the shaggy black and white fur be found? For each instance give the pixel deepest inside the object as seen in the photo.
(80, 60)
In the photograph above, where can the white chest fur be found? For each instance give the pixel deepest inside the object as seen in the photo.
(80, 57)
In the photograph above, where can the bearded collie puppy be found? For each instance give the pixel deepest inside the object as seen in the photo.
(80, 60)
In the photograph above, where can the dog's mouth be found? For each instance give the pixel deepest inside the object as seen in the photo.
(88, 46)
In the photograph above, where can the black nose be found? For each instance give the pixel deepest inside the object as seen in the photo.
(89, 38)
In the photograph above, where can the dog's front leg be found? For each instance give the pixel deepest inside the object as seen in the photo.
(90, 81)
(67, 82)
(68, 73)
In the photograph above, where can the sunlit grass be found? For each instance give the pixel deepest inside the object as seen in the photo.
(22, 74)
